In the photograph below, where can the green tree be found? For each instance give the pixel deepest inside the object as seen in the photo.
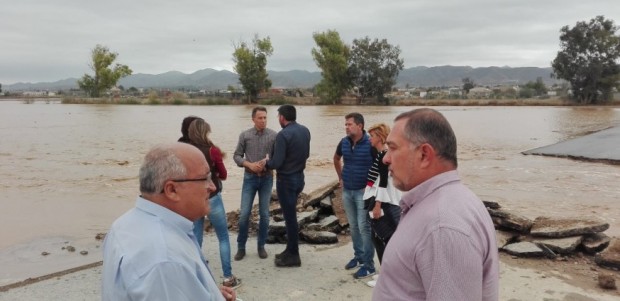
(332, 56)
(588, 59)
(0, 88)
(468, 84)
(374, 67)
(251, 66)
(105, 77)
(538, 87)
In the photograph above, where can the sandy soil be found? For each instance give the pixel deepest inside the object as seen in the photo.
(322, 277)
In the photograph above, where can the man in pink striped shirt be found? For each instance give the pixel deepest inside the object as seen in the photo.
(444, 247)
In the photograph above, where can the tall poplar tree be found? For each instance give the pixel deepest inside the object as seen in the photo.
(105, 77)
(332, 57)
(251, 66)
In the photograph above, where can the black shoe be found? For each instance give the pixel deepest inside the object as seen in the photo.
(240, 254)
(288, 260)
(281, 254)
(262, 253)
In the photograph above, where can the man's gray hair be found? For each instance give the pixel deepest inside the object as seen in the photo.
(160, 164)
(429, 126)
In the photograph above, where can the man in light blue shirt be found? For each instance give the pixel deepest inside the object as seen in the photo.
(150, 253)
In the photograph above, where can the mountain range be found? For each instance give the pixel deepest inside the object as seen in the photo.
(211, 79)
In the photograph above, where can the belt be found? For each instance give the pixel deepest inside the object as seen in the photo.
(269, 172)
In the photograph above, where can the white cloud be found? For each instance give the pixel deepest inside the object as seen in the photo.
(51, 40)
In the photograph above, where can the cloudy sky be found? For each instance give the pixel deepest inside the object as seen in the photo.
(44, 40)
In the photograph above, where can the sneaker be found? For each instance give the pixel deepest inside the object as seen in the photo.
(364, 272)
(240, 254)
(232, 282)
(352, 264)
(371, 283)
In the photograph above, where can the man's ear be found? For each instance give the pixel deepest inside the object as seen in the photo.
(170, 191)
(426, 155)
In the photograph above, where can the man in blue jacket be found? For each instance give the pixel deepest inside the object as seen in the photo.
(290, 152)
(357, 153)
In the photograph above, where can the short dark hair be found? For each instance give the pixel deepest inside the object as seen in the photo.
(258, 108)
(357, 118)
(288, 111)
(185, 125)
(429, 126)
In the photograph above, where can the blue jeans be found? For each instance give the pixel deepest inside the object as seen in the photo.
(217, 217)
(252, 184)
(289, 187)
(363, 248)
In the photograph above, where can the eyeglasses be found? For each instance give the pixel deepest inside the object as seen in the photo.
(207, 181)
(190, 180)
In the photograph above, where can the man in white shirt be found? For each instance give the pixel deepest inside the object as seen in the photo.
(150, 252)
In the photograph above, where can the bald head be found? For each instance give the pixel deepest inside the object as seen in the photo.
(429, 126)
(163, 162)
(177, 176)
(421, 145)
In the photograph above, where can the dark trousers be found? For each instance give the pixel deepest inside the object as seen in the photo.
(288, 188)
(392, 212)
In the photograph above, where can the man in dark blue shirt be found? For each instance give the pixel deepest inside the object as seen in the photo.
(291, 150)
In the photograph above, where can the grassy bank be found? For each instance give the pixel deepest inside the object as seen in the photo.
(172, 101)
(316, 101)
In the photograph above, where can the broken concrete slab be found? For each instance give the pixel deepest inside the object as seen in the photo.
(566, 227)
(503, 238)
(329, 223)
(562, 246)
(319, 194)
(599, 146)
(510, 220)
(524, 249)
(318, 237)
(595, 243)
(491, 204)
(610, 257)
(306, 217)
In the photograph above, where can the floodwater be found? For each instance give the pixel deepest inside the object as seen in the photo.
(67, 171)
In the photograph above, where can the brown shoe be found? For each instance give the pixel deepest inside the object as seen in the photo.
(262, 253)
(232, 282)
(240, 254)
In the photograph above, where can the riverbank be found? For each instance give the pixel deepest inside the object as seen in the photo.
(408, 101)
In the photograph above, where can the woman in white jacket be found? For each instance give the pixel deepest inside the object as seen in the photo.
(384, 212)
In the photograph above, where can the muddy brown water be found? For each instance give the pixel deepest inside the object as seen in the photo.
(67, 171)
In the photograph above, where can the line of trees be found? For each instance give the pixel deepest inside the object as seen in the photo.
(587, 60)
(369, 66)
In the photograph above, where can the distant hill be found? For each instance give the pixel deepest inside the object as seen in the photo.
(211, 79)
(486, 76)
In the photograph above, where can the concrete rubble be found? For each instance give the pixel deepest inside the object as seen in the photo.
(321, 219)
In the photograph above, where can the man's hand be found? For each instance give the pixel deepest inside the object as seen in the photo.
(256, 167)
(228, 293)
(376, 211)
